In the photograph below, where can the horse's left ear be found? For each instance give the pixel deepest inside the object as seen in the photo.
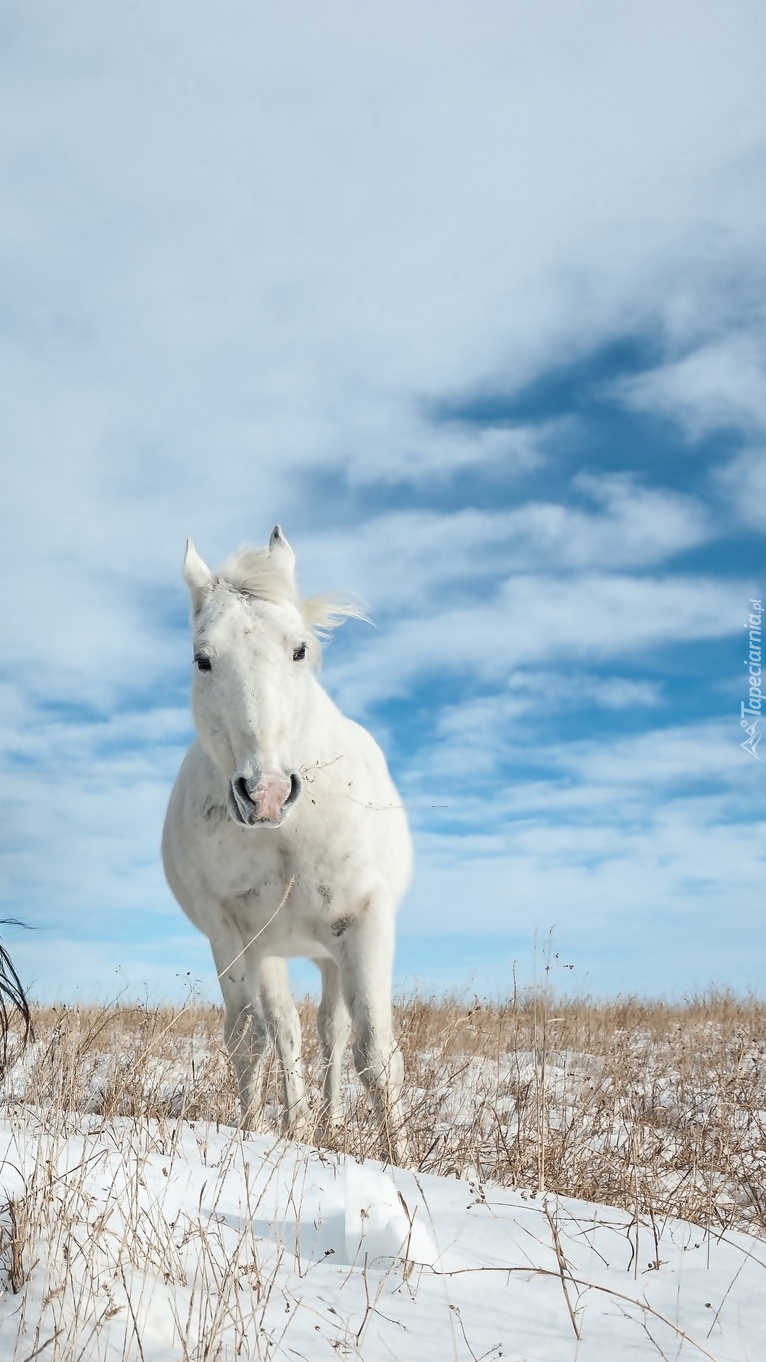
(279, 545)
(197, 574)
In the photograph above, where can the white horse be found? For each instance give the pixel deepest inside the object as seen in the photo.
(285, 836)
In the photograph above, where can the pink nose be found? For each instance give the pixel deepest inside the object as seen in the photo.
(269, 795)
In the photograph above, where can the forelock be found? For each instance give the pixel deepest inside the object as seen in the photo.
(262, 575)
(259, 573)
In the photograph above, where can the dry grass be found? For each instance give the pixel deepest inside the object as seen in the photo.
(655, 1108)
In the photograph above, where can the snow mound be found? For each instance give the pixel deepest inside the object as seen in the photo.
(123, 1241)
(380, 1223)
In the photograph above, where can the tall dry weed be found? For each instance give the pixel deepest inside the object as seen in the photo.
(649, 1106)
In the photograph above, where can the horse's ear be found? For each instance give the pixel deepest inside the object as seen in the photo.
(279, 545)
(197, 574)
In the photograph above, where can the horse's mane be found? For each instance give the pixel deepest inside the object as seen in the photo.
(263, 575)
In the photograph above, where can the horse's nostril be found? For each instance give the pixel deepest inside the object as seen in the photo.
(296, 785)
(240, 787)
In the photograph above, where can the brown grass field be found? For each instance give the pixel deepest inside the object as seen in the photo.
(654, 1108)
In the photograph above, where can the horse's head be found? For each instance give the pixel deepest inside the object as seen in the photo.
(253, 653)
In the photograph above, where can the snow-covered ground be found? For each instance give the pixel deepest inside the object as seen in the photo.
(167, 1241)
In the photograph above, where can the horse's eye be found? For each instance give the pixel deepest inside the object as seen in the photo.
(299, 653)
(203, 663)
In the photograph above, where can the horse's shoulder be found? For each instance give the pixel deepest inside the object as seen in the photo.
(197, 796)
(362, 736)
(196, 768)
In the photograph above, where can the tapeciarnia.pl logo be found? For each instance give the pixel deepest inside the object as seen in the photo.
(751, 709)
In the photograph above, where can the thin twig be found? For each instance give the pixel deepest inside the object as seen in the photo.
(564, 1268)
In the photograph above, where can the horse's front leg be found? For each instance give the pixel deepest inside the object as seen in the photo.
(333, 1024)
(284, 1024)
(244, 1028)
(366, 965)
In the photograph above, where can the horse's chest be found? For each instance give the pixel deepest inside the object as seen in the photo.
(233, 868)
(268, 875)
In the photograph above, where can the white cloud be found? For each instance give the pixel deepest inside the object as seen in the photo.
(743, 480)
(483, 733)
(82, 809)
(406, 559)
(55, 965)
(641, 840)
(265, 264)
(245, 256)
(288, 240)
(533, 619)
(721, 384)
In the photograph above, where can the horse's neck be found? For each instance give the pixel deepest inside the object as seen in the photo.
(325, 721)
(323, 726)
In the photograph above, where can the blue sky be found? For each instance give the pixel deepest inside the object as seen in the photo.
(471, 299)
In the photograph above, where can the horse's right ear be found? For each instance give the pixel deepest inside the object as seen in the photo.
(197, 574)
(278, 545)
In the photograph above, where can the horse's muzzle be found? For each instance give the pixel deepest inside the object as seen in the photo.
(263, 801)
